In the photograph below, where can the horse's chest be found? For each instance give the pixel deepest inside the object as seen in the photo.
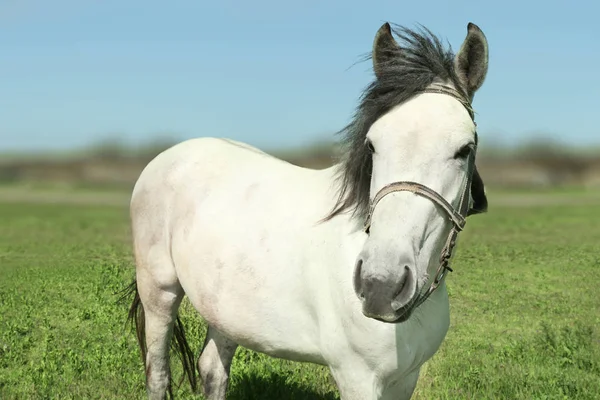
(398, 350)
(422, 336)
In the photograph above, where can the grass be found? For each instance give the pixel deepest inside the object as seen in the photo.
(525, 312)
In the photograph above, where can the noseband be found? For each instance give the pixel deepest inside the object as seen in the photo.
(456, 216)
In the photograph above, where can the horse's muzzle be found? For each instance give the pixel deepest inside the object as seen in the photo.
(385, 298)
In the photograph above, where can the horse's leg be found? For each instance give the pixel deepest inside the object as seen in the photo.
(356, 382)
(160, 309)
(214, 364)
(403, 389)
(360, 383)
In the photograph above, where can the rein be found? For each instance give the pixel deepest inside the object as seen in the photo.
(456, 216)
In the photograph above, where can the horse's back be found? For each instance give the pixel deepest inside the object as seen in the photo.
(202, 175)
(190, 169)
(201, 163)
(207, 152)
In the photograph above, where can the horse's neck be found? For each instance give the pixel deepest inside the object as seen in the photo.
(346, 233)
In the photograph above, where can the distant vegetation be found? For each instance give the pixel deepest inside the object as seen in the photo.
(539, 163)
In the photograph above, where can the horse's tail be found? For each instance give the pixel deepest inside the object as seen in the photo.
(185, 353)
(179, 345)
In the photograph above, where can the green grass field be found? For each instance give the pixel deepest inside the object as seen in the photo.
(525, 311)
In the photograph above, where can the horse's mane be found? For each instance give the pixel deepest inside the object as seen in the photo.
(421, 60)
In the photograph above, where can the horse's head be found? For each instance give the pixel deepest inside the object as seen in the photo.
(420, 147)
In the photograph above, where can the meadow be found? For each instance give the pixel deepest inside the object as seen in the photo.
(525, 310)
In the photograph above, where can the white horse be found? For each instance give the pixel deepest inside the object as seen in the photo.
(342, 266)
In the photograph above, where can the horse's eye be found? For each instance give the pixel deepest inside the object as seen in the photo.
(464, 151)
(370, 146)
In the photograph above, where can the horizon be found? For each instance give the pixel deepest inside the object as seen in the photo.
(272, 75)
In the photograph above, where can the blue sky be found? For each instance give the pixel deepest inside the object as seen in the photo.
(273, 73)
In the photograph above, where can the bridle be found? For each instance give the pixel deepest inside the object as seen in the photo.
(456, 216)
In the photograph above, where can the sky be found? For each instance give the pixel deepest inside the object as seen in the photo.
(273, 73)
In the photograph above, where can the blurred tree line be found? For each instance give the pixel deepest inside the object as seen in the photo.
(111, 161)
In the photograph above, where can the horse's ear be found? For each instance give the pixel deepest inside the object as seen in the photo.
(480, 203)
(471, 61)
(385, 49)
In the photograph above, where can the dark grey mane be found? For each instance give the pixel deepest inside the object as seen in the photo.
(421, 60)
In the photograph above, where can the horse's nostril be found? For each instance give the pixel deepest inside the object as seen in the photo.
(404, 289)
(403, 281)
(358, 280)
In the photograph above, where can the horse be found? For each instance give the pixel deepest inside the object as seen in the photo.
(342, 266)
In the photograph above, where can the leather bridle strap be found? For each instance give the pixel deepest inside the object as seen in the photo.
(416, 188)
(446, 254)
(442, 89)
